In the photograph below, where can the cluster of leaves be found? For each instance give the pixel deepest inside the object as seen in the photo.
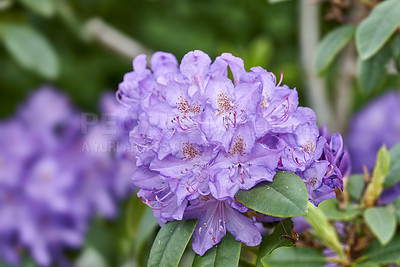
(377, 38)
(366, 229)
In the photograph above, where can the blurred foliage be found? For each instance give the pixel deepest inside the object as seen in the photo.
(259, 32)
(376, 40)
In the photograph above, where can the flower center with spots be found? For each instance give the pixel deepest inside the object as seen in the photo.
(312, 181)
(309, 147)
(206, 198)
(238, 147)
(185, 107)
(266, 101)
(190, 151)
(225, 104)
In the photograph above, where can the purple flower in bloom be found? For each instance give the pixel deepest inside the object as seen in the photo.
(201, 136)
(217, 217)
(326, 173)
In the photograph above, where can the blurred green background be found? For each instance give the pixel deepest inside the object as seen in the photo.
(263, 34)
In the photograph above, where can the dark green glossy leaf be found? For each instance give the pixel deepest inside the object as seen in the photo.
(294, 257)
(376, 29)
(42, 7)
(170, 243)
(331, 45)
(30, 49)
(286, 196)
(275, 240)
(382, 223)
(371, 73)
(332, 211)
(384, 254)
(223, 254)
(393, 175)
(355, 185)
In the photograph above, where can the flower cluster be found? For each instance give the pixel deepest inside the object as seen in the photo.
(50, 187)
(208, 129)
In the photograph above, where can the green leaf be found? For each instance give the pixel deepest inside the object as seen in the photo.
(294, 257)
(286, 196)
(331, 45)
(393, 175)
(384, 254)
(382, 223)
(355, 185)
(376, 29)
(30, 49)
(332, 211)
(170, 243)
(381, 169)
(396, 205)
(224, 254)
(275, 240)
(371, 73)
(41, 7)
(366, 264)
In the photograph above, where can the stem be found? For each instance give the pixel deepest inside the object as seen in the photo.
(110, 37)
(309, 37)
(344, 86)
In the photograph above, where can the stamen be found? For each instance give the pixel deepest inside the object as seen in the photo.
(280, 80)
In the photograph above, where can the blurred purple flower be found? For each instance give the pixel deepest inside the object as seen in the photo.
(53, 179)
(376, 124)
(201, 136)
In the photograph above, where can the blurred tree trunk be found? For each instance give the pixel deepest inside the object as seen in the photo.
(309, 38)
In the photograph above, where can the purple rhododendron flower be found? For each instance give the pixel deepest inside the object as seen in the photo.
(201, 137)
(51, 181)
(326, 174)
